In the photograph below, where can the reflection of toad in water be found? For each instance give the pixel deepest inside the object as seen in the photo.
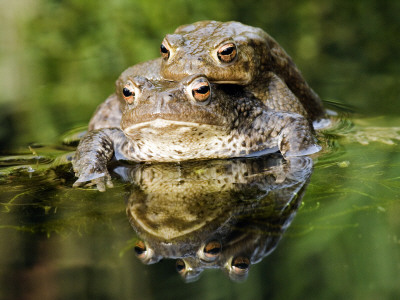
(226, 214)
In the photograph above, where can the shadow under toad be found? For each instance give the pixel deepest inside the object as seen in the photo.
(225, 214)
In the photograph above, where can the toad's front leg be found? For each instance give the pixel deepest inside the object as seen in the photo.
(293, 133)
(93, 154)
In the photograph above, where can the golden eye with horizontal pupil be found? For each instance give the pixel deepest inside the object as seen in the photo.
(180, 266)
(164, 50)
(240, 265)
(129, 93)
(140, 249)
(212, 249)
(227, 53)
(201, 91)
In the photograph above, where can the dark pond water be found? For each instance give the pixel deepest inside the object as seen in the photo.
(311, 228)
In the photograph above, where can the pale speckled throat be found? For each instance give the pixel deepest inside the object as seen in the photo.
(165, 140)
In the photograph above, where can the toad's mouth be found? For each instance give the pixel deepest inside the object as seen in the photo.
(161, 123)
(148, 116)
(172, 129)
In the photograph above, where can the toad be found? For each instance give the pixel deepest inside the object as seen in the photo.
(189, 120)
(231, 52)
(227, 53)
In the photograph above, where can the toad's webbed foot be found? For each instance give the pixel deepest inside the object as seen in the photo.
(101, 182)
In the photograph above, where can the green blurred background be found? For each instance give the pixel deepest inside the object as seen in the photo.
(59, 59)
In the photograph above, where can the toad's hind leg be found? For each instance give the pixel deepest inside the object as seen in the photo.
(279, 62)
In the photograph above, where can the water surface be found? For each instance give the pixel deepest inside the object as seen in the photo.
(325, 227)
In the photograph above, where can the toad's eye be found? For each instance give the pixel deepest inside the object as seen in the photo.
(164, 50)
(201, 91)
(129, 93)
(227, 53)
(140, 249)
(180, 266)
(240, 265)
(212, 249)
